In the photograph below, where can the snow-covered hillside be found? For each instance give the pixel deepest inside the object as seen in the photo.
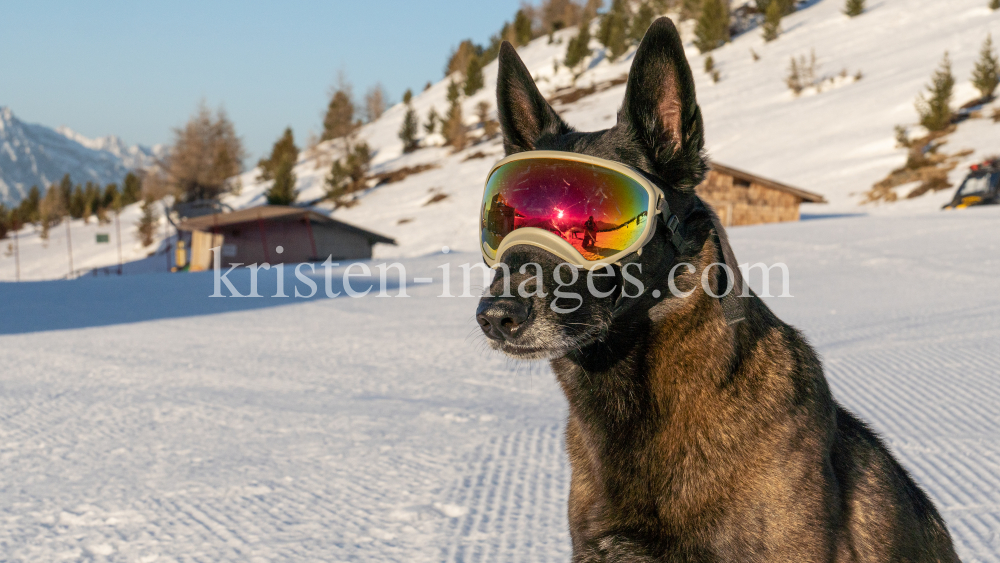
(33, 154)
(837, 143)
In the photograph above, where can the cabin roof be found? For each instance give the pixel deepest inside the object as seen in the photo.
(804, 195)
(274, 213)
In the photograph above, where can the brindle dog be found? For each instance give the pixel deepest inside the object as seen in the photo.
(699, 429)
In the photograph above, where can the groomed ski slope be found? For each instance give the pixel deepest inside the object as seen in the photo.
(141, 420)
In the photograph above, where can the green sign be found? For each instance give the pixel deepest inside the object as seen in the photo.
(103, 238)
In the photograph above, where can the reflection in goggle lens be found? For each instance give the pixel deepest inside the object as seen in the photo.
(599, 211)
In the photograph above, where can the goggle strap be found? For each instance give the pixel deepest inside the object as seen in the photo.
(671, 222)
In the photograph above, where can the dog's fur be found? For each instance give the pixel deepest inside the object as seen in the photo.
(692, 439)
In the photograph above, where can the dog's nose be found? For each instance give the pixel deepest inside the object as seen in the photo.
(501, 317)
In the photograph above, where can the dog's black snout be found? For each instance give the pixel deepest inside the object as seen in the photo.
(502, 317)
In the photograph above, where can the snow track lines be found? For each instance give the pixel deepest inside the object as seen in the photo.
(513, 501)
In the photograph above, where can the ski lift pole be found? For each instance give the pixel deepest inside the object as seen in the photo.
(17, 258)
(69, 246)
(118, 228)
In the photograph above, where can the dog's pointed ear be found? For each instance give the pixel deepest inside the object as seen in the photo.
(660, 107)
(524, 114)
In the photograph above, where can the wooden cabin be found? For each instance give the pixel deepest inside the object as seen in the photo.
(252, 236)
(741, 198)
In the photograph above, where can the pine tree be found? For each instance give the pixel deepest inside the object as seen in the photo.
(28, 209)
(453, 128)
(613, 31)
(579, 47)
(935, 109)
(131, 189)
(459, 59)
(349, 174)
(409, 129)
(712, 29)
(473, 76)
(110, 193)
(146, 226)
(4, 221)
(52, 209)
(522, 28)
(984, 75)
(339, 120)
(854, 7)
(641, 22)
(490, 126)
(282, 192)
(77, 202)
(786, 6)
(772, 21)
(284, 149)
(690, 9)
(432, 121)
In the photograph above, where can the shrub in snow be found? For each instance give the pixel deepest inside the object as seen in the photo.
(712, 29)
(801, 73)
(935, 108)
(854, 7)
(995, 4)
(984, 75)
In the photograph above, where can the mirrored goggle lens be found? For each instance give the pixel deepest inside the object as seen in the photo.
(599, 211)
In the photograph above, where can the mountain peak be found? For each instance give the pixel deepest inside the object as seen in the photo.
(32, 154)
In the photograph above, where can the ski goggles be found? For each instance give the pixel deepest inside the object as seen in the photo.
(588, 211)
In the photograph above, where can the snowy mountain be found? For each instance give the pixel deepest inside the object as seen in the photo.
(33, 154)
(837, 142)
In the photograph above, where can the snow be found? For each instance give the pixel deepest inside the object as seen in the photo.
(837, 142)
(147, 421)
(41, 259)
(33, 154)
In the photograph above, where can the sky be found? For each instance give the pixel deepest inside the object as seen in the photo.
(140, 69)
